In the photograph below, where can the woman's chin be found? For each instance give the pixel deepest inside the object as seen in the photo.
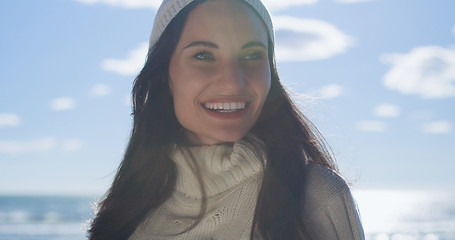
(230, 137)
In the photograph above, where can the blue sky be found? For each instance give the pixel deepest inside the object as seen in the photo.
(377, 77)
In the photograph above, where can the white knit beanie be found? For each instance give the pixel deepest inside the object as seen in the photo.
(170, 8)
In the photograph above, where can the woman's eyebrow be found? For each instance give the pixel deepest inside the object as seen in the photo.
(202, 43)
(214, 45)
(254, 44)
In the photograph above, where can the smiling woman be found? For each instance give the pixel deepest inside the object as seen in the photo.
(218, 150)
(219, 85)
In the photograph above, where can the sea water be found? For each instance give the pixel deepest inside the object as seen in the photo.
(44, 218)
(386, 215)
(407, 215)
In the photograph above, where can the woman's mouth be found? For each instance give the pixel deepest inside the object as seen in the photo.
(225, 107)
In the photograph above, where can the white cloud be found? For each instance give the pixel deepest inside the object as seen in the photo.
(31, 146)
(63, 103)
(9, 120)
(437, 127)
(72, 144)
(308, 39)
(351, 1)
(126, 3)
(304, 100)
(426, 71)
(129, 66)
(39, 145)
(307, 101)
(100, 90)
(331, 91)
(387, 110)
(283, 4)
(371, 126)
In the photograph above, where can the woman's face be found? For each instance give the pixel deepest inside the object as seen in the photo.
(219, 72)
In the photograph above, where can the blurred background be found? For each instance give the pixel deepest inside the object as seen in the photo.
(377, 77)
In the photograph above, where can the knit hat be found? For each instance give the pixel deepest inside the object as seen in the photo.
(170, 8)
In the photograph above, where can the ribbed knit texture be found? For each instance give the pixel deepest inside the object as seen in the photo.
(329, 210)
(170, 8)
(232, 175)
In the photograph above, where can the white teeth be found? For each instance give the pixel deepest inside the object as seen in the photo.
(226, 106)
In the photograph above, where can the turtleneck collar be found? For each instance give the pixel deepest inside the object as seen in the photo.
(221, 166)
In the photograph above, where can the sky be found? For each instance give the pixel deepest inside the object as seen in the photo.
(377, 77)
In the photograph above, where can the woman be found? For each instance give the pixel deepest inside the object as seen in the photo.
(218, 150)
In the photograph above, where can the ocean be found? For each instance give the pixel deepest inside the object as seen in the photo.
(44, 217)
(386, 215)
(407, 215)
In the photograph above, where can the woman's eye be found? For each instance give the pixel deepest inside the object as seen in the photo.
(204, 56)
(255, 56)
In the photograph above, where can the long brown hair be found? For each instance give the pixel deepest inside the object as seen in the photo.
(147, 176)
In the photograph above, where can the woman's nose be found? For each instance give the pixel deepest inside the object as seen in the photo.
(232, 77)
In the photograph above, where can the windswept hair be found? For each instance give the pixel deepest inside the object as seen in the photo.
(146, 177)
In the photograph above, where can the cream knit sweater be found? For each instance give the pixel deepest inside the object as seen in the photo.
(232, 176)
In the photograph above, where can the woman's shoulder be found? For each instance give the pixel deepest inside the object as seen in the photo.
(323, 186)
(323, 179)
(329, 210)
